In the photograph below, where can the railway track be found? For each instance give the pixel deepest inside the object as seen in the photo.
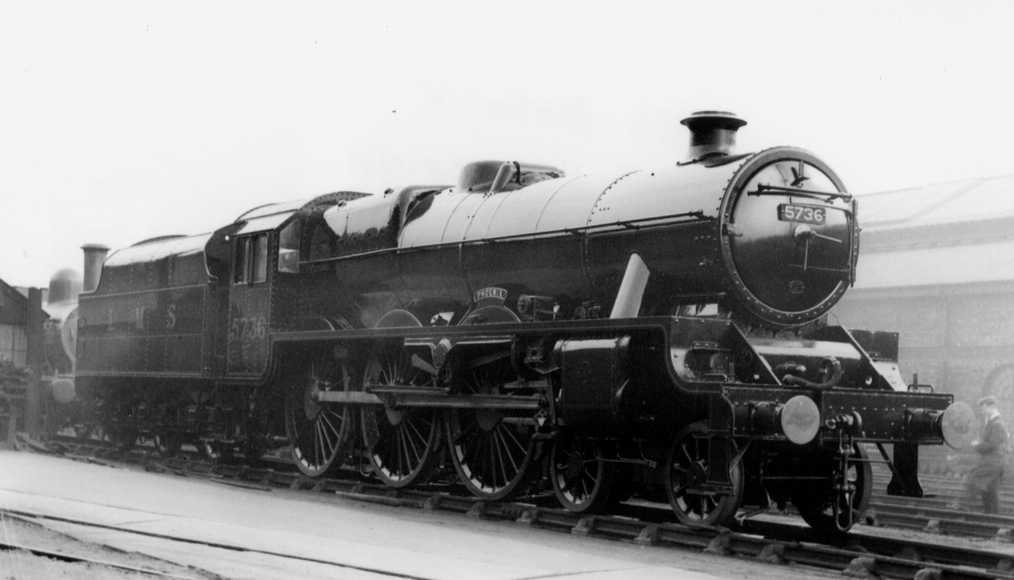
(952, 522)
(173, 538)
(765, 539)
(931, 514)
(937, 512)
(20, 535)
(64, 557)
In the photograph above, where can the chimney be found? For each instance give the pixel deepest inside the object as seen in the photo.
(712, 133)
(94, 256)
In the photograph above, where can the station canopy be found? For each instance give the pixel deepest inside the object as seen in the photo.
(968, 200)
(960, 232)
(961, 264)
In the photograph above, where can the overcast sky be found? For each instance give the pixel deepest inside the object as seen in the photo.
(122, 121)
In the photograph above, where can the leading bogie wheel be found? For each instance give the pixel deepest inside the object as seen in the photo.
(318, 433)
(582, 480)
(687, 467)
(833, 508)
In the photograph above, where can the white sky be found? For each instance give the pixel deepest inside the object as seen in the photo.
(121, 121)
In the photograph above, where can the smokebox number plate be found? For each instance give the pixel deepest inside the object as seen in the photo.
(807, 214)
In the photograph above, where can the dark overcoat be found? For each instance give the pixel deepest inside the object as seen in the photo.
(991, 449)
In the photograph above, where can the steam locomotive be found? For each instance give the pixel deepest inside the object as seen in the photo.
(659, 333)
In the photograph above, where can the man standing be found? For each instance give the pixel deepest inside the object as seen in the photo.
(984, 479)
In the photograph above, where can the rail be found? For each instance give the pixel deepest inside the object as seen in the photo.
(777, 542)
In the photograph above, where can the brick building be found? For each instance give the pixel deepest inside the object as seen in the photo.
(937, 265)
(13, 323)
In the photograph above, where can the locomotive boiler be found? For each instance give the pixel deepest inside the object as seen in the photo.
(770, 237)
(656, 332)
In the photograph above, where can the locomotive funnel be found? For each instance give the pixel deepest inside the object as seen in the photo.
(712, 133)
(94, 255)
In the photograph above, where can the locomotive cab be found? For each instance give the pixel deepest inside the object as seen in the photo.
(258, 260)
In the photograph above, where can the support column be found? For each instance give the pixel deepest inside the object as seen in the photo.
(34, 356)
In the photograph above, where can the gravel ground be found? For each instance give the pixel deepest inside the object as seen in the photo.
(24, 565)
(374, 537)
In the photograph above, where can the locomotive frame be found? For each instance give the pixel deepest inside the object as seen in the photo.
(413, 331)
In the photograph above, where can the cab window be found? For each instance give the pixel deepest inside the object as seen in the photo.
(241, 264)
(250, 265)
(260, 258)
(288, 248)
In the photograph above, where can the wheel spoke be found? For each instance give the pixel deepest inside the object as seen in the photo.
(326, 443)
(521, 448)
(686, 454)
(316, 432)
(399, 450)
(491, 472)
(581, 481)
(415, 432)
(330, 426)
(491, 457)
(689, 460)
(501, 451)
(507, 451)
(406, 446)
(410, 445)
(324, 447)
(315, 457)
(404, 438)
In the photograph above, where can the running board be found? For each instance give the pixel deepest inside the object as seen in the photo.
(409, 396)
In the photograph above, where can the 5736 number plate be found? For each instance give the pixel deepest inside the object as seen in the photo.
(807, 214)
